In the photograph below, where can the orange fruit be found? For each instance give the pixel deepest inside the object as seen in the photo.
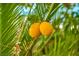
(34, 30)
(46, 28)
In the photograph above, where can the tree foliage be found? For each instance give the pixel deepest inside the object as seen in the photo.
(15, 39)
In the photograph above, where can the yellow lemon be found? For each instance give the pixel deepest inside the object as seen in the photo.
(34, 30)
(46, 28)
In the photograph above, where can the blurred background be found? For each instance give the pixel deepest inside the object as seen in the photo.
(15, 20)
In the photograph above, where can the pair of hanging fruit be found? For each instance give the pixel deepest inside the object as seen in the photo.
(44, 28)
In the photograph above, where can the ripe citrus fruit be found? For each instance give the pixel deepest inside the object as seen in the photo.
(46, 28)
(34, 30)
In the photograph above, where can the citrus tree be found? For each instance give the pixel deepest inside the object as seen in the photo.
(44, 29)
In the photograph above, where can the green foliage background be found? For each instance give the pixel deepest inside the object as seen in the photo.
(14, 30)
